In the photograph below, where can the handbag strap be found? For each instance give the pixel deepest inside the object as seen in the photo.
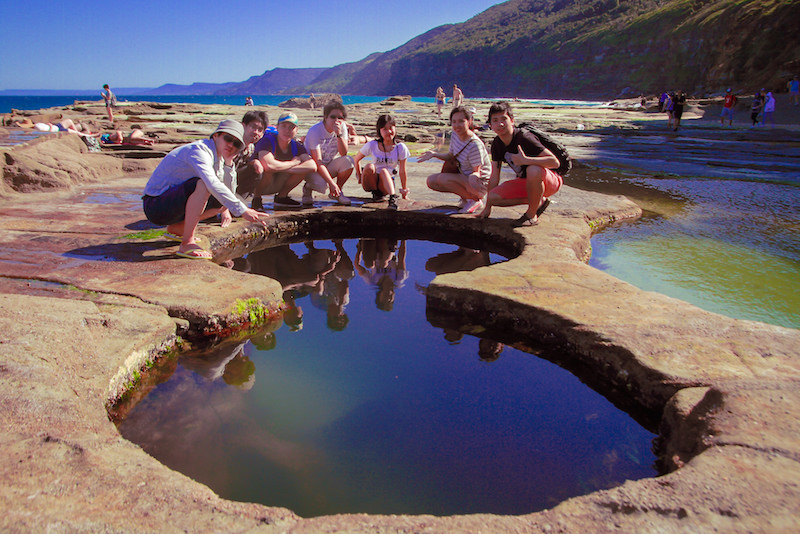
(463, 147)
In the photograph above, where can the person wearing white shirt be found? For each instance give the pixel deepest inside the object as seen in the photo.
(327, 143)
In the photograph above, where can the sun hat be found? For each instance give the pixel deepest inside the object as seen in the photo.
(288, 117)
(232, 127)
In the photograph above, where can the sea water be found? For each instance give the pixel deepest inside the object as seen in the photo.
(21, 102)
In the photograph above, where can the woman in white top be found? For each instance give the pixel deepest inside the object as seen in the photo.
(769, 110)
(471, 177)
(390, 157)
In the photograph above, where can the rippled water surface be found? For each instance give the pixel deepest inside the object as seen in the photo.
(726, 245)
(358, 404)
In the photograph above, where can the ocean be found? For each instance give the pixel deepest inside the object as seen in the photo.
(7, 103)
(30, 102)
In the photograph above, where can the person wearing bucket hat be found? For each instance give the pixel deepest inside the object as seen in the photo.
(285, 161)
(195, 182)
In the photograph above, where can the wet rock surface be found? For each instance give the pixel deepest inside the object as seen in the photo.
(88, 298)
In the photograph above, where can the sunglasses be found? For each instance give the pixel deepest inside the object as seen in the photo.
(232, 140)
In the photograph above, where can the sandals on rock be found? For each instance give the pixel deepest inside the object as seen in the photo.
(195, 254)
(525, 220)
(543, 207)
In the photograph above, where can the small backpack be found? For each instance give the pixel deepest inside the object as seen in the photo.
(92, 144)
(558, 150)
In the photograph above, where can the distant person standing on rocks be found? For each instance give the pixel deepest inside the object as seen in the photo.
(111, 101)
(728, 107)
(458, 96)
(469, 176)
(248, 168)
(533, 164)
(195, 182)
(668, 106)
(440, 100)
(756, 107)
(312, 101)
(677, 108)
(769, 109)
(327, 143)
(794, 91)
(661, 100)
(285, 161)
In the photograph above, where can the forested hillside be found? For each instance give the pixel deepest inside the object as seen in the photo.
(589, 48)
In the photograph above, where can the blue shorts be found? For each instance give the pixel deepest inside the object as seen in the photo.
(170, 206)
(727, 113)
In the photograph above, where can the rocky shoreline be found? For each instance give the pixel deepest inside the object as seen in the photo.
(91, 296)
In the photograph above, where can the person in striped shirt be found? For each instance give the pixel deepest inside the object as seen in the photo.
(469, 177)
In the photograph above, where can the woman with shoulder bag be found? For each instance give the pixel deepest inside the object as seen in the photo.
(467, 165)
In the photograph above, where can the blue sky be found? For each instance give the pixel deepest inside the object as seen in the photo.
(64, 44)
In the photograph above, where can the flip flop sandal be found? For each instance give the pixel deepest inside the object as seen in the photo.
(543, 207)
(172, 237)
(194, 254)
(525, 220)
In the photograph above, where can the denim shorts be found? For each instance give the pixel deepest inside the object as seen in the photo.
(170, 206)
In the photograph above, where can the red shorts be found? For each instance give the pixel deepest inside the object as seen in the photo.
(511, 189)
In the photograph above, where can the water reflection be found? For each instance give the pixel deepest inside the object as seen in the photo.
(381, 263)
(384, 412)
(227, 363)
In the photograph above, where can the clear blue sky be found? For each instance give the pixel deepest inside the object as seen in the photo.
(64, 44)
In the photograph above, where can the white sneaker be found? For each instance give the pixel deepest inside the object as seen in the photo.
(343, 200)
(471, 206)
(308, 196)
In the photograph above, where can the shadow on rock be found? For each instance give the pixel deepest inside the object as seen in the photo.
(127, 252)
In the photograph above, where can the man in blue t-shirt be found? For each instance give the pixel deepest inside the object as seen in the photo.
(285, 161)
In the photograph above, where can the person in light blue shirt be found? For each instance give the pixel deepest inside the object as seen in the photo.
(195, 182)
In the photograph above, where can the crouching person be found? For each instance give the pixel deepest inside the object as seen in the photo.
(531, 161)
(195, 182)
(285, 162)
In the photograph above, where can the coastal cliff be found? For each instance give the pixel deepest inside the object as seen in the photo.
(579, 49)
(591, 49)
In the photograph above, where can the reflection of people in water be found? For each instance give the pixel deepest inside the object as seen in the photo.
(384, 266)
(334, 294)
(292, 271)
(453, 337)
(265, 339)
(322, 273)
(461, 259)
(227, 362)
(489, 350)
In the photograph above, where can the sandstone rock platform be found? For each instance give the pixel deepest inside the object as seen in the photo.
(88, 297)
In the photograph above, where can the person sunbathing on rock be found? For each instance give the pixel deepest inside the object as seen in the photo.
(136, 137)
(195, 182)
(66, 125)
